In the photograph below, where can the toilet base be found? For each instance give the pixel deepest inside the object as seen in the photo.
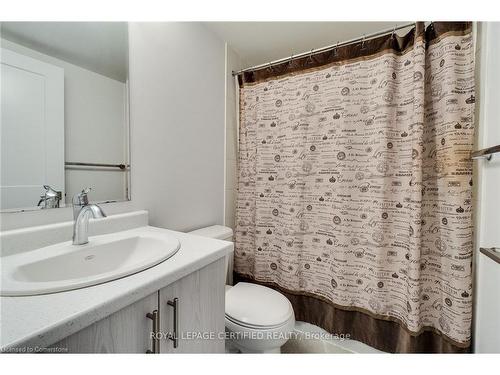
(251, 340)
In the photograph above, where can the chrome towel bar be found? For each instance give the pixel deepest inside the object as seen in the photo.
(491, 252)
(122, 167)
(485, 153)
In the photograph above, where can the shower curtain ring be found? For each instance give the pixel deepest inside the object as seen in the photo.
(310, 55)
(336, 48)
(393, 32)
(363, 42)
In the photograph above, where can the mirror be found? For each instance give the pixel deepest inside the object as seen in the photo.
(64, 113)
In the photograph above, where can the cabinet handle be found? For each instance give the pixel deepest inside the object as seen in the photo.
(155, 344)
(175, 304)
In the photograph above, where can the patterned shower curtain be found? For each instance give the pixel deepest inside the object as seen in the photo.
(355, 187)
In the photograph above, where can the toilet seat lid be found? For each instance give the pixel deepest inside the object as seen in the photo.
(257, 305)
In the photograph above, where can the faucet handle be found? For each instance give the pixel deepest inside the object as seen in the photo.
(85, 191)
(50, 192)
(81, 199)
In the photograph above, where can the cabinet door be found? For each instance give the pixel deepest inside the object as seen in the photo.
(200, 311)
(126, 331)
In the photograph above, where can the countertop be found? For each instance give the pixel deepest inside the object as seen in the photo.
(40, 321)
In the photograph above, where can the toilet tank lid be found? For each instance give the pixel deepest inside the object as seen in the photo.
(215, 231)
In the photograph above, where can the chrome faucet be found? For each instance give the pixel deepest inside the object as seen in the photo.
(50, 198)
(79, 200)
(82, 212)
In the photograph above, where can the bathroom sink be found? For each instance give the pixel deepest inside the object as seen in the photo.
(65, 266)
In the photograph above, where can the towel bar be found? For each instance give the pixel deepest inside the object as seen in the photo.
(485, 153)
(122, 167)
(492, 253)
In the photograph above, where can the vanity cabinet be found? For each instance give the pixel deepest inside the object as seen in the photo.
(126, 331)
(193, 308)
(196, 319)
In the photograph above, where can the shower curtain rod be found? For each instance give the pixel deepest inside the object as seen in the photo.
(324, 49)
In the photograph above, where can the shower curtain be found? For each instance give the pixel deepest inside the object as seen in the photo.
(355, 187)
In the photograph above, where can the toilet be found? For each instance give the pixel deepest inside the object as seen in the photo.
(258, 319)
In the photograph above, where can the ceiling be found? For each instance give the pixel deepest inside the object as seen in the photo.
(101, 47)
(260, 42)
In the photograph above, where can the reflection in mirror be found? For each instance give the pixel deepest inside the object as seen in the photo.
(64, 113)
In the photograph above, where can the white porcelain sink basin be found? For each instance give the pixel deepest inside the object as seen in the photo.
(65, 266)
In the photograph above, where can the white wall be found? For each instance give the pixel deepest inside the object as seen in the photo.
(233, 63)
(94, 124)
(487, 272)
(258, 42)
(177, 116)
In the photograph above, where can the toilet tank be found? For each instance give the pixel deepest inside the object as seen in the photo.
(220, 232)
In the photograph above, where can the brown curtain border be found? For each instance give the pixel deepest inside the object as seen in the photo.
(436, 31)
(385, 333)
(358, 51)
